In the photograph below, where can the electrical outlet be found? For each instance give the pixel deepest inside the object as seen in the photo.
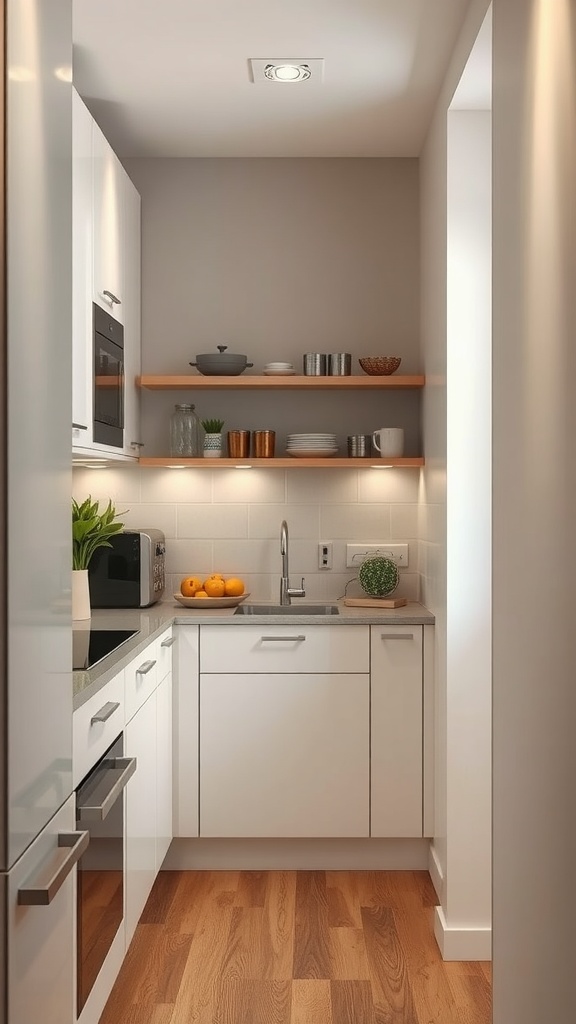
(356, 553)
(325, 554)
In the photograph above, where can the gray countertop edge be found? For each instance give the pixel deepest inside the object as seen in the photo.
(151, 622)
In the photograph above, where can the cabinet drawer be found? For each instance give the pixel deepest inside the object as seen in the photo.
(141, 678)
(96, 725)
(165, 646)
(284, 648)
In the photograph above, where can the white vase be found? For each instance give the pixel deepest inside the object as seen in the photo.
(212, 446)
(80, 595)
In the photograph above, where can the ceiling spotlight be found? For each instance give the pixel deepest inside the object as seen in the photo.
(287, 72)
(287, 69)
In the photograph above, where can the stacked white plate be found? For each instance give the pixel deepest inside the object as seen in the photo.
(308, 446)
(279, 370)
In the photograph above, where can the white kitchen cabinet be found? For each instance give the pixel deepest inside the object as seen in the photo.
(396, 731)
(40, 940)
(163, 769)
(82, 238)
(140, 742)
(284, 648)
(106, 270)
(131, 249)
(284, 755)
(185, 732)
(108, 217)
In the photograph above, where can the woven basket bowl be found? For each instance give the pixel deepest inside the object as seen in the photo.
(378, 366)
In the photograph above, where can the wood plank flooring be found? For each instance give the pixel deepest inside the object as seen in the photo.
(293, 947)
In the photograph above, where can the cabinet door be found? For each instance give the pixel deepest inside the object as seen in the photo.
(284, 755)
(108, 213)
(396, 741)
(132, 316)
(140, 742)
(41, 939)
(81, 272)
(185, 717)
(163, 769)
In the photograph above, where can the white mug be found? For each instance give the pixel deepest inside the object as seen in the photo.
(389, 442)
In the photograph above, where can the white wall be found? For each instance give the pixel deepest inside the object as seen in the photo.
(534, 501)
(455, 502)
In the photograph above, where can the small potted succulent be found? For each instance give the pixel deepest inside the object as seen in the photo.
(213, 438)
(91, 529)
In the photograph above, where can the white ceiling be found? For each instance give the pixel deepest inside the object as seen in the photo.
(170, 77)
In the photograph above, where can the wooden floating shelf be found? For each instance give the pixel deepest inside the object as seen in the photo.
(154, 382)
(282, 463)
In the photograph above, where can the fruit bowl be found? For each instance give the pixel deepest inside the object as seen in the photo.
(210, 602)
(380, 366)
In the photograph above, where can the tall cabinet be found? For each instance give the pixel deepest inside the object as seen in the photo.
(106, 271)
(36, 802)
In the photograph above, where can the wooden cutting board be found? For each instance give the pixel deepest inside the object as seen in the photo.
(375, 602)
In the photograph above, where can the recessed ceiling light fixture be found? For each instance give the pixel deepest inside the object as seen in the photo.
(287, 69)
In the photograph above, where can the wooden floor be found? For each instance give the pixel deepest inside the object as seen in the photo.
(293, 947)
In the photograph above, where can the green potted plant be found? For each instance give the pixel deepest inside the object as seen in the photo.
(91, 529)
(213, 438)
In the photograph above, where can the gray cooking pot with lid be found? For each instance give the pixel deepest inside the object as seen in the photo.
(221, 363)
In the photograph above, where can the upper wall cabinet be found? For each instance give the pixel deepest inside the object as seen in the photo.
(108, 207)
(106, 272)
(81, 271)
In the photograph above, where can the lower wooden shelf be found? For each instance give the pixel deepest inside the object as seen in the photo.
(281, 463)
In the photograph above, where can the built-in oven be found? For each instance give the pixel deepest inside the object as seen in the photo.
(108, 368)
(100, 884)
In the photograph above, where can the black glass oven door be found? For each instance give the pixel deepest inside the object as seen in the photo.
(108, 379)
(100, 884)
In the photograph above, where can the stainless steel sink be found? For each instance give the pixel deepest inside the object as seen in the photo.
(287, 609)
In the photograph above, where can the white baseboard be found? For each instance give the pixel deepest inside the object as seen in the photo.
(461, 943)
(436, 873)
(297, 854)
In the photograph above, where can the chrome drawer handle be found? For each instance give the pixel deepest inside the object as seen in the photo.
(397, 636)
(120, 769)
(42, 894)
(105, 712)
(111, 296)
(168, 642)
(137, 444)
(145, 667)
(79, 426)
(286, 638)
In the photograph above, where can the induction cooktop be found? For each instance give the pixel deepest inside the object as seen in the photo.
(91, 646)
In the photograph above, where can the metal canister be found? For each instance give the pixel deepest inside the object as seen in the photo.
(359, 446)
(339, 364)
(314, 364)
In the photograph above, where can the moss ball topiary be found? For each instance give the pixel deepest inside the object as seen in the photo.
(378, 576)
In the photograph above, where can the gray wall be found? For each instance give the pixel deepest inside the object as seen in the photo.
(277, 257)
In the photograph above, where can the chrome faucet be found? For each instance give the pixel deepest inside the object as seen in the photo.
(287, 592)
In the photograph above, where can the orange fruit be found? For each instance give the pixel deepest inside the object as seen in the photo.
(234, 587)
(214, 587)
(190, 585)
(200, 593)
(213, 576)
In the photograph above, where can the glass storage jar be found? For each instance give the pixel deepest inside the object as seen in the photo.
(184, 433)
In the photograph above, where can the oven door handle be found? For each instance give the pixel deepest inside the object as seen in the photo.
(121, 769)
(41, 892)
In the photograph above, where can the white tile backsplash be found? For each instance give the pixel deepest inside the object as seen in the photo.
(303, 521)
(322, 486)
(212, 521)
(388, 485)
(176, 485)
(228, 521)
(162, 517)
(351, 522)
(249, 485)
